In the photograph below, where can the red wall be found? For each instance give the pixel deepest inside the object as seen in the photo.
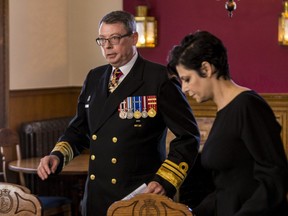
(256, 59)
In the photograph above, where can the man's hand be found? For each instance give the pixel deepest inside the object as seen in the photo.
(47, 165)
(155, 187)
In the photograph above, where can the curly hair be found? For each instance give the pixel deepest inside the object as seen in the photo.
(197, 48)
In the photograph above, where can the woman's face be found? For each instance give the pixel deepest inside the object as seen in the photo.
(195, 86)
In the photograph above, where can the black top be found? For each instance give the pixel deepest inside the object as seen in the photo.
(245, 153)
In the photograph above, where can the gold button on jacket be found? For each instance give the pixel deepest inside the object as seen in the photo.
(114, 139)
(94, 137)
(114, 160)
(92, 177)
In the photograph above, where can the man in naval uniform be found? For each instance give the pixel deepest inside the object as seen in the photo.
(123, 113)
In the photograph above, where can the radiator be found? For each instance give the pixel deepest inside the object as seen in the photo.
(37, 140)
(39, 137)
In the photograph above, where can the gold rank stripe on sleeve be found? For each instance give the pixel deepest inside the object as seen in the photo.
(173, 173)
(66, 150)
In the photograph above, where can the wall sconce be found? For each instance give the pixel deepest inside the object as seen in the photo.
(283, 26)
(230, 6)
(146, 27)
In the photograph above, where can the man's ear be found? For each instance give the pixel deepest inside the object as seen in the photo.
(207, 68)
(135, 38)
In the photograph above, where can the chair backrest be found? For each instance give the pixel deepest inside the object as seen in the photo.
(10, 150)
(148, 204)
(17, 200)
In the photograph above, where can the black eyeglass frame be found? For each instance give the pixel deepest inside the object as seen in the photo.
(118, 38)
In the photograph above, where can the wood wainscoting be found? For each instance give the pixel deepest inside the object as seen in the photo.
(39, 104)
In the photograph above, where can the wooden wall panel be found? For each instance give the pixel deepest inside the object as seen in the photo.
(39, 104)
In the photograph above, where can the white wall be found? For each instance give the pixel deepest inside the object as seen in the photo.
(52, 43)
(84, 53)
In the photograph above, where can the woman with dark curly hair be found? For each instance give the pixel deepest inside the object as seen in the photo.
(244, 150)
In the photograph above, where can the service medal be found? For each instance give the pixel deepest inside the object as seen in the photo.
(123, 114)
(152, 113)
(137, 101)
(137, 114)
(130, 114)
(144, 107)
(144, 114)
(130, 109)
(122, 110)
(152, 105)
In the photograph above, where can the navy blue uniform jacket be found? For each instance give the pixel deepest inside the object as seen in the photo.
(128, 152)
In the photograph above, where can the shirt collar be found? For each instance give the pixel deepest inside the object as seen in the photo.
(127, 67)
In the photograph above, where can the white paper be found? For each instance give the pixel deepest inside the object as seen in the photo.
(138, 190)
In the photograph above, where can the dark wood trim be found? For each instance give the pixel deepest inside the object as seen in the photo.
(43, 91)
(4, 70)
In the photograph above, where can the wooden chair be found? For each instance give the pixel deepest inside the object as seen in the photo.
(148, 204)
(10, 150)
(18, 200)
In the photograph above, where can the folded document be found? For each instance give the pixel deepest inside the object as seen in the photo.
(138, 190)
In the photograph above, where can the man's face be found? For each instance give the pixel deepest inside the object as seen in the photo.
(117, 54)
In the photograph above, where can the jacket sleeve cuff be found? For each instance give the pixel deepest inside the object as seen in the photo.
(66, 151)
(173, 173)
(61, 164)
(172, 176)
(169, 188)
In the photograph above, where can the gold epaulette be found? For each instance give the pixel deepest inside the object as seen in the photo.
(173, 173)
(66, 150)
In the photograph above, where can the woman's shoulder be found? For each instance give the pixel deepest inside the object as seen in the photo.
(249, 97)
(245, 100)
(252, 102)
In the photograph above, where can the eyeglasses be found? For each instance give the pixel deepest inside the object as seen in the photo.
(114, 40)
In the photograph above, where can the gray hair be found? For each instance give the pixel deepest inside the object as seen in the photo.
(120, 17)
